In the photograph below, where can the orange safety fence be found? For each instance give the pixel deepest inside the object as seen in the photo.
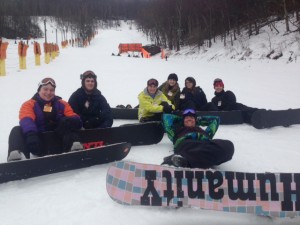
(134, 47)
(3, 48)
(22, 49)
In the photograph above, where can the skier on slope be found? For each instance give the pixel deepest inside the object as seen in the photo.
(88, 102)
(193, 146)
(171, 89)
(44, 112)
(152, 103)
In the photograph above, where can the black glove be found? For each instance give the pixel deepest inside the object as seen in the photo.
(33, 143)
(166, 107)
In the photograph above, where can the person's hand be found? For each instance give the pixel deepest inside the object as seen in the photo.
(33, 144)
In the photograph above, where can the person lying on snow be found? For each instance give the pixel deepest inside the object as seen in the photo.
(195, 147)
(152, 103)
(88, 102)
(44, 112)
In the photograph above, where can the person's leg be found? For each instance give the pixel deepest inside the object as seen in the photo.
(247, 112)
(205, 154)
(16, 142)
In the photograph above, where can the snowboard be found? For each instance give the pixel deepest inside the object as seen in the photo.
(135, 134)
(270, 118)
(27, 168)
(226, 117)
(265, 194)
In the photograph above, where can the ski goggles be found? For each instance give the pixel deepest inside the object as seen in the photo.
(88, 74)
(189, 112)
(47, 81)
(152, 82)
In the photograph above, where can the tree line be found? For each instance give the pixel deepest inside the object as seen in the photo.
(169, 23)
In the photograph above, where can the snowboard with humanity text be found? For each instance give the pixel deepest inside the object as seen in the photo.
(226, 117)
(27, 168)
(265, 194)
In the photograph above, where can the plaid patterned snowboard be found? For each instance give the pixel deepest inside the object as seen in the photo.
(265, 194)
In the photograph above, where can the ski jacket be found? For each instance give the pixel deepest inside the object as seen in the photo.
(177, 133)
(194, 98)
(225, 100)
(149, 106)
(171, 92)
(93, 109)
(37, 115)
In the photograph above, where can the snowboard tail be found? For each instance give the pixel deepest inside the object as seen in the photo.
(266, 194)
(28, 168)
(270, 118)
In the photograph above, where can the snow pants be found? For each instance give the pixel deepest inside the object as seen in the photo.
(205, 154)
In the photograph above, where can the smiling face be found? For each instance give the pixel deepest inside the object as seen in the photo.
(189, 121)
(152, 89)
(47, 92)
(172, 82)
(219, 88)
(89, 84)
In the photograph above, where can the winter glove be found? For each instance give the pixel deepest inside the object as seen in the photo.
(68, 140)
(33, 143)
(166, 107)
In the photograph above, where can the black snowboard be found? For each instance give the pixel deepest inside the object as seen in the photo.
(23, 169)
(270, 118)
(226, 117)
(135, 134)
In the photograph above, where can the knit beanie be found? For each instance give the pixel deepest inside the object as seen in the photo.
(218, 82)
(173, 76)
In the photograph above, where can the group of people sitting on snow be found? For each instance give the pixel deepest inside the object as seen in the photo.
(87, 108)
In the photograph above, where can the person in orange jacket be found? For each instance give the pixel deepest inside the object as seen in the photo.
(44, 112)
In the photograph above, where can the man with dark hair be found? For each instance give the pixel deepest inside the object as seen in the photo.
(88, 102)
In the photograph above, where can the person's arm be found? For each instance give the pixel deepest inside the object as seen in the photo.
(27, 117)
(105, 114)
(211, 123)
(170, 122)
(231, 100)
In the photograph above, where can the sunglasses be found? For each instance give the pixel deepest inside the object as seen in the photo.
(189, 111)
(47, 81)
(87, 74)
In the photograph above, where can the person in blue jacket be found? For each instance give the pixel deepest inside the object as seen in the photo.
(90, 104)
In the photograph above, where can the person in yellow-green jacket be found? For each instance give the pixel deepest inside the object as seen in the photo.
(152, 103)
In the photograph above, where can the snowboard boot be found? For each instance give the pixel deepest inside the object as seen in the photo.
(179, 161)
(76, 146)
(168, 160)
(14, 156)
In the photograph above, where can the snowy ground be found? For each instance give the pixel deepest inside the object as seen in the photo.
(79, 197)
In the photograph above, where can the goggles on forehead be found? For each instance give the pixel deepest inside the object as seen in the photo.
(47, 81)
(152, 82)
(189, 111)
(87, 74)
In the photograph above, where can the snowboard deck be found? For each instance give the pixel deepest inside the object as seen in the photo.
(27, 168)
(135, 134)
(226, 117)
(264, 194)
(270, 118)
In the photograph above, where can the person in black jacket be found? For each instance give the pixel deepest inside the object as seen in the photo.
(90, 104)
(226, 101)
(193, 97)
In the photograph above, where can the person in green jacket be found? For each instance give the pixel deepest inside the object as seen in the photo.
(152, 103)
(194, 146)
(171, 89)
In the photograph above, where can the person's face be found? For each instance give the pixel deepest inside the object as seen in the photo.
(89, 84)
(189, 121)
(47, 92)
(218, 88)
(188, 84)
(152, 89)
(171, 82)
